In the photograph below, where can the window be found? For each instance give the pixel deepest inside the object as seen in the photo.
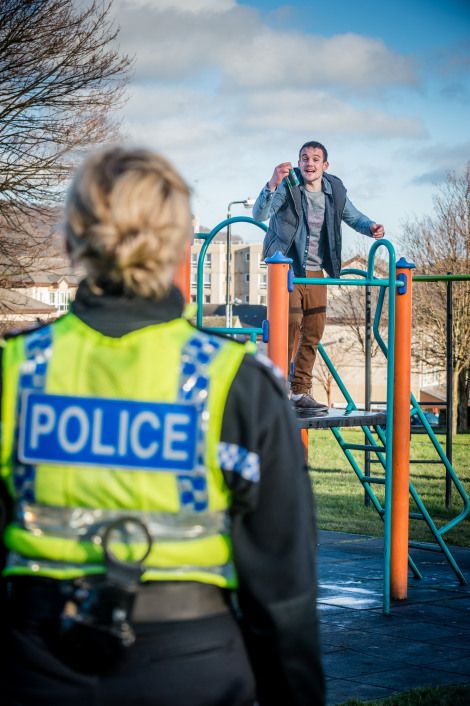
(207, 298)
(194, 256)
(207, 279)
(263, 280)
(63, 301)
(193, 279)
(262, 300)
(208, 260)
(247, 277)
(247, 298)
(52, 297)
(247, 256)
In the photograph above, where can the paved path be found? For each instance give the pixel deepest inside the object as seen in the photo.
(424, 642)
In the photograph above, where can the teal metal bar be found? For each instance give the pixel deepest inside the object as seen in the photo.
(200, 265)
(384, 453)
(366, 481)
(357, 470)
(443, 546)
(390, 397)
(234, 331)
(373, 282)
(353, 271)
(365, 447)
(349, 400)
(386, 440)
(416, 410)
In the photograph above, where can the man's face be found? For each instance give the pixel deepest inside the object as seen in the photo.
(312, 165)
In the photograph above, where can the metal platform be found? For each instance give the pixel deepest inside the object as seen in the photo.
(342, 418)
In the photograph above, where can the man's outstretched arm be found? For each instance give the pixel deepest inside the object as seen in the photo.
(360, 222)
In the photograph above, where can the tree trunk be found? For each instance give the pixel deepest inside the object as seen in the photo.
(462, 399)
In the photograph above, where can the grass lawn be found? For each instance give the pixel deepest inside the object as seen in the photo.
(439, 696)
(340, 496)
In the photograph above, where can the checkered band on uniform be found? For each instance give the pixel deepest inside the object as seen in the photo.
(198, 353)
(33, 373)
(236, 459)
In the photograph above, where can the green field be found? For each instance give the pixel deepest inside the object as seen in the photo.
(340, 497)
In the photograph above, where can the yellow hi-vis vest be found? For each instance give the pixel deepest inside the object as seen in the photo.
(97, 428)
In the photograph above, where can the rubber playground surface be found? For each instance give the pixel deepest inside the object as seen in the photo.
(368, 655)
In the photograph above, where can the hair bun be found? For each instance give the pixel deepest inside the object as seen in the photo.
(128, 219)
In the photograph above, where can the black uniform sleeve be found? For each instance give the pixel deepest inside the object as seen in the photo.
(274, 544)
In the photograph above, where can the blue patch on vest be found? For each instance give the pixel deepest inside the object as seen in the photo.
(96, 431)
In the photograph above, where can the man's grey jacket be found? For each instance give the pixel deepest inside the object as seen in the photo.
(288, 227)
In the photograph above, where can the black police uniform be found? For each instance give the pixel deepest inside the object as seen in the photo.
(205, 656)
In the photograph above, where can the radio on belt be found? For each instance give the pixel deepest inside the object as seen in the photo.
(97, 431)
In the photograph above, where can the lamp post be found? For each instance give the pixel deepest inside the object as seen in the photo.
(247, 203)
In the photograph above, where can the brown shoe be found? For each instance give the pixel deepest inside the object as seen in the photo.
(306, 406)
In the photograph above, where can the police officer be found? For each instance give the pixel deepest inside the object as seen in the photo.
(160, 547)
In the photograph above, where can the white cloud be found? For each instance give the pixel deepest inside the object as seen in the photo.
(190, 6)
(275, 59)
(226, 96)
(319, 112)
(437, 160)
(240, 46)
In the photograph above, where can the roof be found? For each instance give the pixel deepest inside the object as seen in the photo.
(49, 271)
(359, 262)
(14, 302)
(439, 392)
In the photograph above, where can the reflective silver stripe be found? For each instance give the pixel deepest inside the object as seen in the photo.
(87, 524)
(17, 561)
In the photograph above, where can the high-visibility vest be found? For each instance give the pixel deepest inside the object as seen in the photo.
(96, 428)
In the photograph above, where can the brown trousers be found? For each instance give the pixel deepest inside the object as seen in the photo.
(307, 318)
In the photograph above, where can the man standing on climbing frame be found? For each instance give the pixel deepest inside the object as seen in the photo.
(305, 206)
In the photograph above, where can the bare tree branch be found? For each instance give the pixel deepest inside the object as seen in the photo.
(60, 76)
(439, 245)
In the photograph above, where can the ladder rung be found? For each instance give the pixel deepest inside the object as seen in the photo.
(425, 546)
(416, 516)
(372, 479)
(364, 447)
(423, 460)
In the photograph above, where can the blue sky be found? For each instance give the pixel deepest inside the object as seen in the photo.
(227, 89)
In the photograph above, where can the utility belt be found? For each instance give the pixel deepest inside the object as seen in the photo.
(92, 646)
(37, 600)
(90, 620)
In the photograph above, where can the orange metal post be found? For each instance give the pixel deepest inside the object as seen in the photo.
(304, 440)
(182, 277)
(278, 310)
(401, 435)
(278, 318)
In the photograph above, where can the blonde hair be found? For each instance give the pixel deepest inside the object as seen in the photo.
(128, 220)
